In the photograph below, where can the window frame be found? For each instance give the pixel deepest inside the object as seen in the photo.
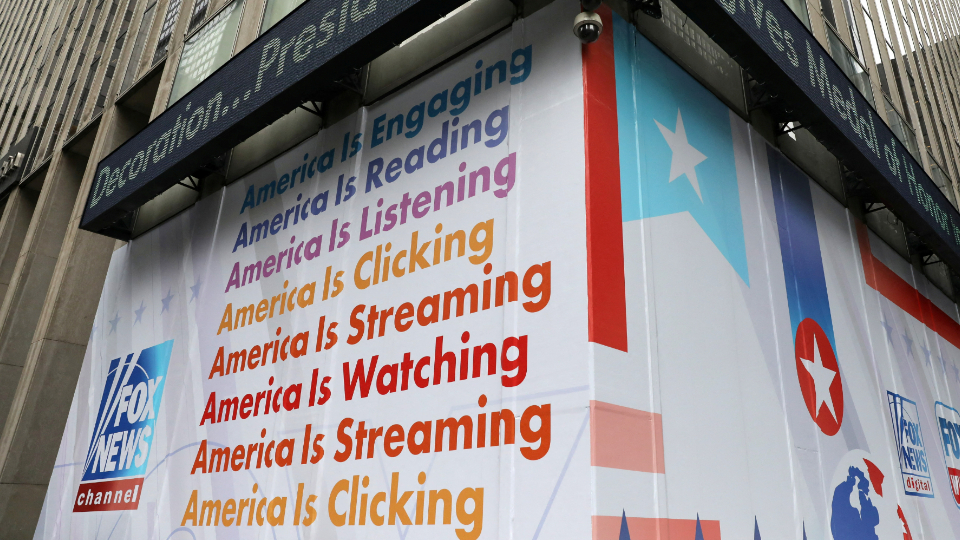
(186, 38)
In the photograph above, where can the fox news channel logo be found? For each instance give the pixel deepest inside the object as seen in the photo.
(948, 420)
(123, 434)
(914, 465)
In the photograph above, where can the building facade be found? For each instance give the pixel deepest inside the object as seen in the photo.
(80, 81)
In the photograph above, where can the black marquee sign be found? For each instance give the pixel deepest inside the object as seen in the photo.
(767, 38)
(299, 59)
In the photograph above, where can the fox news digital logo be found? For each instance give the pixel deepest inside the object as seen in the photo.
(948, 419)
(913, 455)
(123, 434)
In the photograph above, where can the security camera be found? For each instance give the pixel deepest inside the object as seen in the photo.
(587, 27)
(590, 5)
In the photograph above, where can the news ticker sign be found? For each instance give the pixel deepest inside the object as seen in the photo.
(302, 57)
(771, 42)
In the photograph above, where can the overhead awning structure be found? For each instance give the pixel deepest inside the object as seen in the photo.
(775, 48)
(303, 57)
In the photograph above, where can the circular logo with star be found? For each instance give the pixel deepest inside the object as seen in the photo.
(819, 377)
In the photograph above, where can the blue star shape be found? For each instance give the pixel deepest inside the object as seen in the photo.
(113, 323)
(909, 343)
(166, 301)
(624, 530)
(889, 330)
(195, 290)
(139, 312)
(926, 353)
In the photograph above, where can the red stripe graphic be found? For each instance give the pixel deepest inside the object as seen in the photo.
(620, 437)
(121, 494)
(606, 292)
(885, 281)
(625, 438)
(608, 528)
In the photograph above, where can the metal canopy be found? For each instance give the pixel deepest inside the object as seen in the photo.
(300, 59)
(807, 86)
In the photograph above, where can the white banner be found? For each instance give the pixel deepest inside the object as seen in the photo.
(546, 292)
(380, 332)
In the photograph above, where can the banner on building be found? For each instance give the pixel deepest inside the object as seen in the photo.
(410, 325)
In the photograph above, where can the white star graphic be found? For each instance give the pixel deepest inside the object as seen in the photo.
(822, 378)
(685, 157)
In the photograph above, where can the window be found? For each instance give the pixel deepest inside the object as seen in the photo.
(902, 130)
(799, 8)
(91, 72)
(875, 48)
(114, 57)
(198, 15)
(883, 22)
(826, 8)
(276, 10)
(928, 124)
(894, 59)
(206, 50)
(166, 30)
(84, 93)
(68, 95)
(948, 149)
(942, 181)
(852, 27)
(849, 64)
(133, 65)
